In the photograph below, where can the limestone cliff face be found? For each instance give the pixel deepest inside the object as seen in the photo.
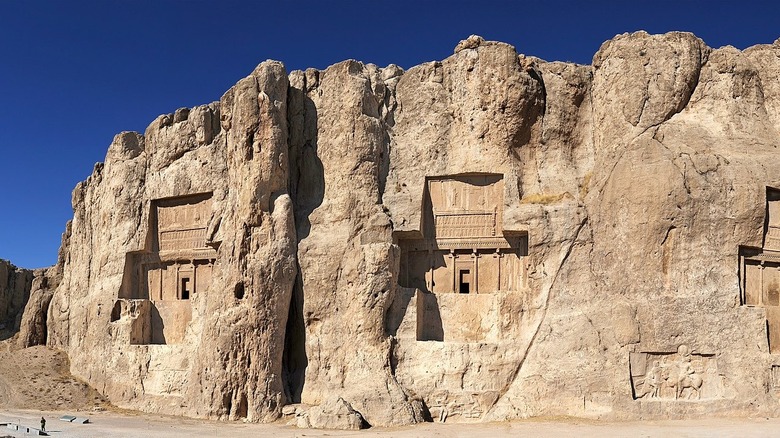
(487, 237)
(15, 286)
(216, 352)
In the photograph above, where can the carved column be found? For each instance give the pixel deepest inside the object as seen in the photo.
(405, 266)
(761, 282)
(177, 281)
(451, 265)
(476, 270)
(193, 287)
(497, 258)
(162, 283)
(454, 271)
(743, 279)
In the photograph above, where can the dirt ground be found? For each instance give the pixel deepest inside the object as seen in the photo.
(35, 382)
(39, 378)
(112, 424)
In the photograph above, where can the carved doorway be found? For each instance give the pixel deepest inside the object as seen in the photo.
(464, 281)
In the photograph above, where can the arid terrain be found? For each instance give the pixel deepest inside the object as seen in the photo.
(38, 378)
(35, 382)
(112, 424)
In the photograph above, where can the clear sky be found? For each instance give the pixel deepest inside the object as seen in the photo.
(74, 73)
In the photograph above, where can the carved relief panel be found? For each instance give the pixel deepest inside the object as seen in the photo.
(774, 377)
(181, 225)
(675, 376)
(466, 206)
(467, 407)
(772, 238)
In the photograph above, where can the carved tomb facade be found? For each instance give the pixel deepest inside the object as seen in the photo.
(760, 271)
(176, 263)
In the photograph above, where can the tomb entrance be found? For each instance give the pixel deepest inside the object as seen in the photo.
(462, 260)
(759, 270)
(462, 247)
(175, 265)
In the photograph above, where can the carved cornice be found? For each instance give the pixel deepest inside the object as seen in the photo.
(466, 243)
(772, 256)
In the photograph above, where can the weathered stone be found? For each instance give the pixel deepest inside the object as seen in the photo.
(334, 413)
(32, 330)
(15, 286)
(187, 349)
(486, 237)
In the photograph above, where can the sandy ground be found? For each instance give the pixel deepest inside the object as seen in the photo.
(35, 382)
(112, 424)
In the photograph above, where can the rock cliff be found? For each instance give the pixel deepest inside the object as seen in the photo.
(487, 237)
(15, 286)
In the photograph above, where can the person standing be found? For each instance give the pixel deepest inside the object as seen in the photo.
(43, 424)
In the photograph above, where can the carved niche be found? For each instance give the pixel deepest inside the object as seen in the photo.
(774, 377)
(683, 375)
(175, 265)
(462, 247)
(760, 271)
(453, 271)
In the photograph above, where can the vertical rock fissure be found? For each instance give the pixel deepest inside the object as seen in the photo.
(294, 357)
(306, 188)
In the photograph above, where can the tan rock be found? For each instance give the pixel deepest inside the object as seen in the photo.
(334, 413)
(15, 286)
(33, 330)
(486, 237)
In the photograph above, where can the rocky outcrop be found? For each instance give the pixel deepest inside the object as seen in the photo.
(15, 286)
(333, 413)
(33, 330)
(486, 237)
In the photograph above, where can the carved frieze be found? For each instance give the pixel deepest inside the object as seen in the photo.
(469, 406)
(680, 375)
(465, 206)
(469, 225)
(182, 239)
(181, 225)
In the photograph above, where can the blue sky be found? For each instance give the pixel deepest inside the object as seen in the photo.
(74, 73)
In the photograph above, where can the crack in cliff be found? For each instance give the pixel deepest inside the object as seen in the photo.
(305, 199)
(693, 86)
(542, 317)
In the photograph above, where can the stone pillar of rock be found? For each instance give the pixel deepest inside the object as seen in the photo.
(346, 253)
(239, 362)
(32, 330)
(15, 286)
(484, 111)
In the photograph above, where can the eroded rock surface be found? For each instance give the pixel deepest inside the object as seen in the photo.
(486, 237)
(15, 284)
